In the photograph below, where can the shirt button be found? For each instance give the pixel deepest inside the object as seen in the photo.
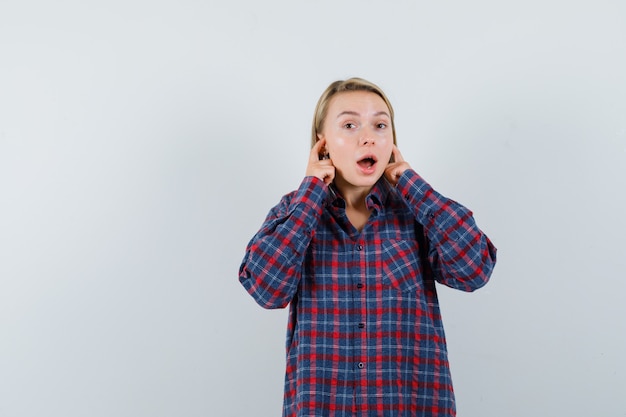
(359, 247)
(361, 325)
(359, 285)
(361, 365)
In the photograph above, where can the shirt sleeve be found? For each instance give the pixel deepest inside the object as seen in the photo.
(460, 254)
(272, 265)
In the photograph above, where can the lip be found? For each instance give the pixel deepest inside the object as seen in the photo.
(367, 167)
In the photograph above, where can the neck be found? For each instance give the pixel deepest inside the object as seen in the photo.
(353, 196)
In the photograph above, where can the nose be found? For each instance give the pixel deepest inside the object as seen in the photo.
(367, 137)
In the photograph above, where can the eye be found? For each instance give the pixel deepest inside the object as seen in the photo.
(349, 125)
(381, 125)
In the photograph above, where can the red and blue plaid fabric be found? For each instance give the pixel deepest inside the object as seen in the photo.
(365, 335)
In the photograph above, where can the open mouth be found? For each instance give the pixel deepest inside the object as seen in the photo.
(367, 162)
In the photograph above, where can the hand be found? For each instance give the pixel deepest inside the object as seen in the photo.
(395, 169)
(320, 168)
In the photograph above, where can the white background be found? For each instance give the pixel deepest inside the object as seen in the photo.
(143, 142)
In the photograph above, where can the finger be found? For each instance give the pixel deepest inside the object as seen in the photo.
(315, 151)
(397, 156)
(329, 176)
(392, 172)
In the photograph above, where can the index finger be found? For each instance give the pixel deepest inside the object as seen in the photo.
(397, 156)
(315, 150)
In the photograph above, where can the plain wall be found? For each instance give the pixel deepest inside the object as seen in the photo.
(143, 142)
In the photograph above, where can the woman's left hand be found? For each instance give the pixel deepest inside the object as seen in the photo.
(395, 169)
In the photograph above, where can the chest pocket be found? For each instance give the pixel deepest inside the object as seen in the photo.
(401, 267)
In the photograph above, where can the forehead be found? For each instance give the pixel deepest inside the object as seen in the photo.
(362, 102)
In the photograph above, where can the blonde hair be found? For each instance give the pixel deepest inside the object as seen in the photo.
(341, 86)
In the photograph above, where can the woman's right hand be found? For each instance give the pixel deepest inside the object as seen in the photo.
(320, 168)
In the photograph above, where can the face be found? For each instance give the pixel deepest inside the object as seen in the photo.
(359, 139)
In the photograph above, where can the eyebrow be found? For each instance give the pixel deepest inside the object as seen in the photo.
(353, 113)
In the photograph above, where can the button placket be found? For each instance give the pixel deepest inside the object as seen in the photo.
(360, 326)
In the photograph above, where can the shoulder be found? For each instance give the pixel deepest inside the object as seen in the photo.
(312, 193)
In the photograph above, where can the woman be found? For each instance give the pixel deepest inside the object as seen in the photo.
(355, 251)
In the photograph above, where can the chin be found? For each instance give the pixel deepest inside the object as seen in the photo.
(368, 182)
(358, 181)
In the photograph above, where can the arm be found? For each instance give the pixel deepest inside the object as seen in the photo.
(271, 268)
(461, 255)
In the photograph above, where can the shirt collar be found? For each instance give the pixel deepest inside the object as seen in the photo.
(375, 200)
(377, 197)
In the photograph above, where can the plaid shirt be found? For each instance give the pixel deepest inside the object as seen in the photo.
(365, 335)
